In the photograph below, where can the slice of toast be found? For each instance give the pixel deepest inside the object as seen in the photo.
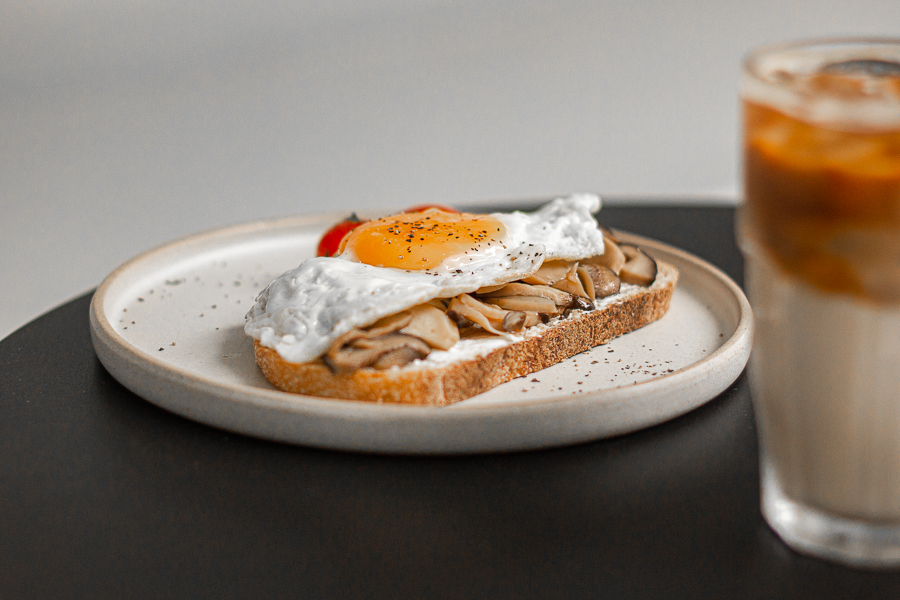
(444, 378)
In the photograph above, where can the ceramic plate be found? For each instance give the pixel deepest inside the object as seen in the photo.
(169, 326)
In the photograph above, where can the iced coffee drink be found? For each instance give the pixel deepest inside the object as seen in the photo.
(820, 229)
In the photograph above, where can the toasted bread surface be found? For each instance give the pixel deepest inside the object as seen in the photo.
(446, 383)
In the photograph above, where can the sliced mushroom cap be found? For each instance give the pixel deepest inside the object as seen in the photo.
(535, 304)
(605, 281)
(550, 272)
(462, 322)
(491, 317)
(514, 321)
(639, 268)
(388, 324)
(440, 303)
(582, 303)
(349, 337)
(571, 283)
(433, 326)
(466, 308)
(367, 352)
(586, 282)
(491, 312)
(487, 289)
(612, 257)
(349, 359)
(532, 319)
(524, 289)
(379, 328)
(398, 357)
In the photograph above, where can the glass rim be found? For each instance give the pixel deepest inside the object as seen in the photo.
(778, 76)
(750, 61)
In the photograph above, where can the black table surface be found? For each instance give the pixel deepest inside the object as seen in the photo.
(103, 495)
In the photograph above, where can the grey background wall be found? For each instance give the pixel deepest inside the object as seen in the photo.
(124, 125)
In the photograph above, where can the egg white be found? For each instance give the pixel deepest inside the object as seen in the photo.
(303, 311)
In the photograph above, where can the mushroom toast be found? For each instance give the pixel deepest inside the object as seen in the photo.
(433, 306)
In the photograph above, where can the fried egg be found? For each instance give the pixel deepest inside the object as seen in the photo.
(391, 264)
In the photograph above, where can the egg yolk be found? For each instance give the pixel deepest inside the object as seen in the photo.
(418, 241)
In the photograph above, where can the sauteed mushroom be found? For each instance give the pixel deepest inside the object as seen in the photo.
(571, 283)
(535, 304)
(639, 269)
(533, 318)
(364, 352)
(612, 257)
(556, 287)
(490, 318)
(489, 289)
(582, 303)
(550, 272)
(439, 303)
(394, 340)
(514, 321)
(399, 357)
(559, 297)
(603, 279)
(388, 324)
(433, 326)
(587, 283)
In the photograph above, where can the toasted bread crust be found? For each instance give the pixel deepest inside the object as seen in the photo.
(446, 384)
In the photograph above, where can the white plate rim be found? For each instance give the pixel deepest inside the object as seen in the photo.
(140, 371)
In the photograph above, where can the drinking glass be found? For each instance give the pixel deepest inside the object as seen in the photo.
(820, 232)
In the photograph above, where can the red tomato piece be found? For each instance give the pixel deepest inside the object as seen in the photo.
(331, 239)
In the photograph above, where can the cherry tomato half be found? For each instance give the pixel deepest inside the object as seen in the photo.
(331, 239)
